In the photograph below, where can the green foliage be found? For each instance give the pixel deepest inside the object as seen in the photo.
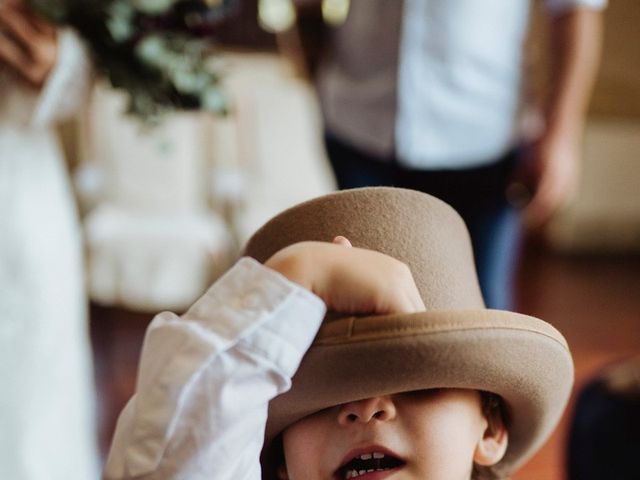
(157, 51)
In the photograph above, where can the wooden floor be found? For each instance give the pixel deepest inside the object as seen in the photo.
(593, 300)
(595, 303)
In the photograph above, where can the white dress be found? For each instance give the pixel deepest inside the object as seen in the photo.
(46, 397)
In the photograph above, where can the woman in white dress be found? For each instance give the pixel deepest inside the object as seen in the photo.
(46, 387)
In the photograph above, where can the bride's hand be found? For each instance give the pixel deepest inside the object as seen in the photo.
(28, 45)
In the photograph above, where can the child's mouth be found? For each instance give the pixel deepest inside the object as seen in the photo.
(367, 463)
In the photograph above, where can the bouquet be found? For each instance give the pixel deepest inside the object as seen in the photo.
(157, 51)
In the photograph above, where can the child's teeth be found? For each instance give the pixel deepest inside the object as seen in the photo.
(353, 473)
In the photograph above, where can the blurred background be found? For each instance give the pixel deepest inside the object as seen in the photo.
(166, 209)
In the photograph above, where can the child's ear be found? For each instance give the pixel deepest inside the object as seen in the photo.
(493, 444)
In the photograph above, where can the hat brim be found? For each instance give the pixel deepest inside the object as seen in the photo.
(523, 359)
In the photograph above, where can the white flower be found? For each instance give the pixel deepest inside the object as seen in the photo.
(119, 21)
(213, 99)
(153, 7)
(151, 49)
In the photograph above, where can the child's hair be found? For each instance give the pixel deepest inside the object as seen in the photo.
(272, 459)
(493, 408)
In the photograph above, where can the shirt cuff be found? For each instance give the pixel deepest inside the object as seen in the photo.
(251, 308)
(256, 296)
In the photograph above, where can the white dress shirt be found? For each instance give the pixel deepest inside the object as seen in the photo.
(205, 379)
(437, 83)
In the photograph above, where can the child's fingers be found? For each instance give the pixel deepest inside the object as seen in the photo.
(405, 296)
(415, 300)
(340, 240)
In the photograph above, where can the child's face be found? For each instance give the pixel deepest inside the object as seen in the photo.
(434, 434)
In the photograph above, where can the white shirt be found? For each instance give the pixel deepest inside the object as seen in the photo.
(205, 380)
(436, 83)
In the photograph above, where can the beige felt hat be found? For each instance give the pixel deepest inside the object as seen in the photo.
(457, 342)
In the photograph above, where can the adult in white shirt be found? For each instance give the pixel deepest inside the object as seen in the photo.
(426, 94)
(46, 407)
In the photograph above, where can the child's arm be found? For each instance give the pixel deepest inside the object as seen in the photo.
(205, 379)
(349, 280)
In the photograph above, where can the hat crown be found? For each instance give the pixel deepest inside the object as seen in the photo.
(413, 227)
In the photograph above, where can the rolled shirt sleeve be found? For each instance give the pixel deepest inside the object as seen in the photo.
(556, 7)
(205, 379)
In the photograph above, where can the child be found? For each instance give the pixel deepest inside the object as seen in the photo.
(408, 376)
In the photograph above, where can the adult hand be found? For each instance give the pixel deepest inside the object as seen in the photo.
(350, 280)
(551, 171)
(554, 163)
(28, 45)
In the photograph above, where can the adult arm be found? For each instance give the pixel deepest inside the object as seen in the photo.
(576, 40)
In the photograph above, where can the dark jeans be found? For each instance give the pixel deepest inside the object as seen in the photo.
(477, 194)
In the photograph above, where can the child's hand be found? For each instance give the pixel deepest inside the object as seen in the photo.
(28, 45)
(349, 280)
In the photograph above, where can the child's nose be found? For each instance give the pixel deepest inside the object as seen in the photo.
(363, 411)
